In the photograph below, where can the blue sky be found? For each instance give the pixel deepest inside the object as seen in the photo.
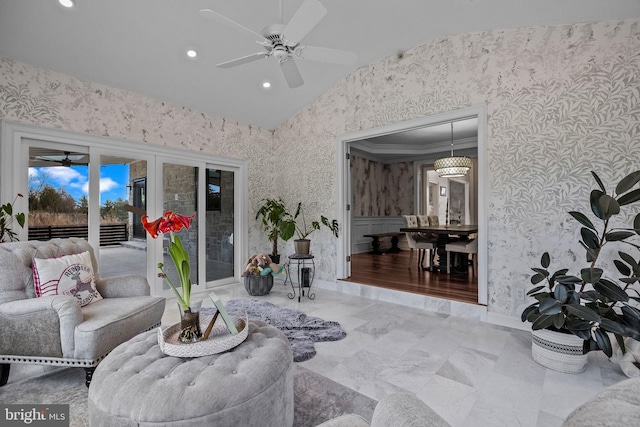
(74, 179)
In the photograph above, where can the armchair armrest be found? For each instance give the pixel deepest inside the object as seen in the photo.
(131, 285)
(52, 319)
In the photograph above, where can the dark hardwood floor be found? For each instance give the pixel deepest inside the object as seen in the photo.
(391, 271)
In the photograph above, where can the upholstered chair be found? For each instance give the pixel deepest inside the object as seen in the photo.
(420, 242)
(55, 329)
(464, 247)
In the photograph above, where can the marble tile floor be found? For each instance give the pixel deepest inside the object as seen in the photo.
(471, 373)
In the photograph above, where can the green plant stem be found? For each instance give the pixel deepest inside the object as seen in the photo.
(182, 303)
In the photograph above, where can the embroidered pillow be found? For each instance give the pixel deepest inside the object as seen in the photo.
(67, 275)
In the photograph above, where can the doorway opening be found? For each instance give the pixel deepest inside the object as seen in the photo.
(398, 160)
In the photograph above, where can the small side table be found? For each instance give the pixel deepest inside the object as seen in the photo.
(306, 271)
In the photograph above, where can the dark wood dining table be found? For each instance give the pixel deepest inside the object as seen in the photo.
(445, 234)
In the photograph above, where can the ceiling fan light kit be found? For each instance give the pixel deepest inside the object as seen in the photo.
(283, 42)
(452, 166)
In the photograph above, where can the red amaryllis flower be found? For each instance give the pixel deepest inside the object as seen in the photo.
(151, 227)
(175, 222)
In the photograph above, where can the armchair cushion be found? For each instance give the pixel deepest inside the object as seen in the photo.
(67, 275)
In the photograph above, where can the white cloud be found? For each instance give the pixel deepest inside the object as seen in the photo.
(106, 184)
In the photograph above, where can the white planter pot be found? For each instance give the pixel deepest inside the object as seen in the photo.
(558, 351)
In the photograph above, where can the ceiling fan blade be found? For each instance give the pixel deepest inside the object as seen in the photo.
(306, 17)
(291, 73)
(243, 60)
(325, 54)
(215, 16)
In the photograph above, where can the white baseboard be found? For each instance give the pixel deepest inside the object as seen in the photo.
(509, 321)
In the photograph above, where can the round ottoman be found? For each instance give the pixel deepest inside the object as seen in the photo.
(250, 385)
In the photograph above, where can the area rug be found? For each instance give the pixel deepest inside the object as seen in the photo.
(316, 398)
(302, 331)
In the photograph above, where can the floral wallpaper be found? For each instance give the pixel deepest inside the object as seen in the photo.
(561, 101)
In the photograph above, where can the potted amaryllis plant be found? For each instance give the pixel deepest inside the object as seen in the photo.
(170, 223)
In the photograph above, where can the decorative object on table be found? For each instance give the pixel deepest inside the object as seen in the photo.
(171, 223)
(303, 230)
(258, 274)
(219, 339)
(223, 312)
(277, 222)
(301, 330)
(7, 217)
(592, 306)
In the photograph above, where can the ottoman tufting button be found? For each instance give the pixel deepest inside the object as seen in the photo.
(234, 372)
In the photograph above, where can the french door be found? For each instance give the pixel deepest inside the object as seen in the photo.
(111, 181)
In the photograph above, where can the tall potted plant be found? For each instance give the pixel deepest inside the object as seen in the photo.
(303, 230)
(589, 306)
(277, 222)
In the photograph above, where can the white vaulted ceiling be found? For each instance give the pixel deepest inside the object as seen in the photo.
(140, 45)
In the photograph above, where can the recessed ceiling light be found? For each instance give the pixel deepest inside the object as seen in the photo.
(66, 3)
(191, 53)
(266, 85)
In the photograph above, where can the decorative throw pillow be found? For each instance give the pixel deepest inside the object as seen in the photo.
(67, 275)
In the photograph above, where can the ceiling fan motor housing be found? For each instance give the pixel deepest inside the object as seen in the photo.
(278, 47)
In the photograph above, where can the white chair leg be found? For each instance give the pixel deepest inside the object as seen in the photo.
(448, 262)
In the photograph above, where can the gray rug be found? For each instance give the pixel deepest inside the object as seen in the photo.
(302, 331)
(316, 398)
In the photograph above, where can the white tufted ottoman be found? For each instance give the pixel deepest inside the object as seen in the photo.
(250, 385)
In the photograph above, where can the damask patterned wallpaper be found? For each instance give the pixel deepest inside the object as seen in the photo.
(561, 101)
(381, 189)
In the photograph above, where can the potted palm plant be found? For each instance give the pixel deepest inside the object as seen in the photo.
(304, 229)
(576, 314)
(277, 222)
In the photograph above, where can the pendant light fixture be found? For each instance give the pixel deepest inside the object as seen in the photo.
(450, 167)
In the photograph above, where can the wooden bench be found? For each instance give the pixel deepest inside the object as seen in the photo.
(375, 242)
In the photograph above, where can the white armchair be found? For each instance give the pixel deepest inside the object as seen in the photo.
(54, 329)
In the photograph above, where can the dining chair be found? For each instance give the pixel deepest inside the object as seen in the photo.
(463, 247)
(419, 242)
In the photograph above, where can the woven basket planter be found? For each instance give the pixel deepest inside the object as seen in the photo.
(558, 351)
(258, 285)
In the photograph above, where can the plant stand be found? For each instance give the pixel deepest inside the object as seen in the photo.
(558, 351)
(306, 271)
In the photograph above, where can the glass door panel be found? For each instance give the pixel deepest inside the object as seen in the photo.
(179, 194)
(219, 224)
(121, 252)
(58, 192)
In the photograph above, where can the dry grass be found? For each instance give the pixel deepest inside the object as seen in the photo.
(44, 218)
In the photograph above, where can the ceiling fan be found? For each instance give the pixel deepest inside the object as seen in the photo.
(283, 41)
(67, 160)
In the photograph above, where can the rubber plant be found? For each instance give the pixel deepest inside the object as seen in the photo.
(592, 304)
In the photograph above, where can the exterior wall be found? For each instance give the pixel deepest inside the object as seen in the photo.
(561, 101)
